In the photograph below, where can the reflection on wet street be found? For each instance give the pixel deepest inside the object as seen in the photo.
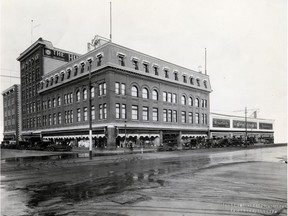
(176, 183)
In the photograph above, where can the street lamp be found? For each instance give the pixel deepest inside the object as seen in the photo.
(89, 60)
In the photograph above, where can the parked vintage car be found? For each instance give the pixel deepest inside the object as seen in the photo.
(48, 145)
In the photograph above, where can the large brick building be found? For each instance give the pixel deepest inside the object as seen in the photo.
(134, 97)
(37, 60)
(12, 113)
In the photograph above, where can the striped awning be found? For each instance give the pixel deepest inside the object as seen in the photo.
(194, 135)
(138, 135)
(73, 136)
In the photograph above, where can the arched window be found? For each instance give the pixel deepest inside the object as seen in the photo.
(51, 82)
(59, 101)
(191, 80)
(49, 103)
(197, 102)
(198, 82)
(205, 83)
(155, 95)
(134, 91)
(54, 102)
(84, 94)
(145, 93)
(176, 76)
(183, 100)
(190, 101)
(92, 92)
(77, 95)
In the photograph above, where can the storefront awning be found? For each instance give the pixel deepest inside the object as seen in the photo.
(138, 135)
(73, 136)
(194, 135)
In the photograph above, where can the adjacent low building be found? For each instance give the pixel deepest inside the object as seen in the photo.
(224, 125)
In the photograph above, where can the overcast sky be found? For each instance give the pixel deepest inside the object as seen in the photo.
(246, 42)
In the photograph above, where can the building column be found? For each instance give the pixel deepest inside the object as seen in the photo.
(179, 140)
(111, 138)
(160, 137)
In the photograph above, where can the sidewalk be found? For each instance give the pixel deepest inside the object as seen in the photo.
(107, 152)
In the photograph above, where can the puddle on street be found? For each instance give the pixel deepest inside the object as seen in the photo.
(114, 182)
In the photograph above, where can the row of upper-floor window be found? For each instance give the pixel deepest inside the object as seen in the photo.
(31, 62)
(9, 122)
(30, 76)
(9, 102)
(120, 113)
(9, 112)
(121, 58)
(30, 92)
(67, 74)
(166, 71)
(56, 118)
(167, 97)
(119, 89)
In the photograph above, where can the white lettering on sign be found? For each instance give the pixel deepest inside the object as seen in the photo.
(58, 54)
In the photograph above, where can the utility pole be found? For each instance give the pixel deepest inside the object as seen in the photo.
(246, 126)
(205, 61)
(89, 110)
(110, 22)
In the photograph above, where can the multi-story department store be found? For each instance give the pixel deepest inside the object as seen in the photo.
(134, 97)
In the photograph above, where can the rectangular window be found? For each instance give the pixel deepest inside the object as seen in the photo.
(197, 118)
(146, 68)
(100, 111)
(166, 73)
(155, 114)
(156, 72)
(104, 88)
(190, 118)
(123, 89)
(164, 96)
(134, 112)
(121, 60)
(78, 115)
(99, 60)
(174, 98)
(145, 113)
(71, 116)
(183, 117)
(135, 64)
(100, 89)
(169, 115)
(117, 88)
(117, 111)
(50, 120)
(105, 111)
(206, 121)
(123, 110)
(85, 116)
(174, 116)
(203, 118)
(169, 97)
(165, 115)
(93, 112)
(54, 119)
(59, 118)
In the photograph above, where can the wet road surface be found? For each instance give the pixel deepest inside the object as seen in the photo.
(245, 182)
